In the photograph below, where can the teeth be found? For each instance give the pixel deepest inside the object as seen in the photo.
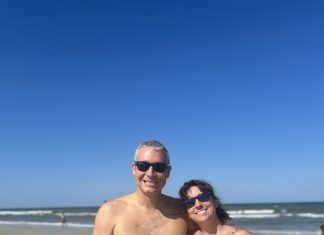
(150, 183)
(201, 212)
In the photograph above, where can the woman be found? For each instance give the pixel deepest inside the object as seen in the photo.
(205, 209)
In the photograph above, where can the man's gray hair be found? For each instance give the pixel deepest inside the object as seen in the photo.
(156, 145)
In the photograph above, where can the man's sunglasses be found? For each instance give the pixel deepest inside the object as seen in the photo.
(203, 197)
(159, 167)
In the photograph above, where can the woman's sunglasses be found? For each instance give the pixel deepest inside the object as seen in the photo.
(203, 197)
(159, 167)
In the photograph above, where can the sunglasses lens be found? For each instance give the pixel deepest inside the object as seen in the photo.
(142, 166)
(204, 197)
(190, 202)
(158, 167)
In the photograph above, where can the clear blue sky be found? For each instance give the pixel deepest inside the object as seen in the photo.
(234, 89)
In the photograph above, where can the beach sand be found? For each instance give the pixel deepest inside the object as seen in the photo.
(22, 230)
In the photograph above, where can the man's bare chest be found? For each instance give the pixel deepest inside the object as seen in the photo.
(150, 224)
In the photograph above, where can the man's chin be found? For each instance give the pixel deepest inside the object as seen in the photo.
(151, 190)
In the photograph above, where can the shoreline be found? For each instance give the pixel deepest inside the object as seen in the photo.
(33, 230)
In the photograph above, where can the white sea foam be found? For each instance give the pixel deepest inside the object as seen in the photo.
(268, 213)
(311, 215)
(288, 214)
(33, 212)
(245, 212)
(79, 214)
(265, 213)
(283, 232)
(255, 216)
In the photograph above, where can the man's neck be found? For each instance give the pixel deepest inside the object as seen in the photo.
(150, 201)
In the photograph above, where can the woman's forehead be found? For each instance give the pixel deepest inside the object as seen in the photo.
(193, 191)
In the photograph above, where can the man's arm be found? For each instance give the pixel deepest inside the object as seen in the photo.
(105, 220)
(192, 227)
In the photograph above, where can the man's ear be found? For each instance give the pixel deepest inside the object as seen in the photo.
(169, 170)
(133, 168)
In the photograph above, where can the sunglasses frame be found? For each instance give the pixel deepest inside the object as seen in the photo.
(203, 197)
(156, 166)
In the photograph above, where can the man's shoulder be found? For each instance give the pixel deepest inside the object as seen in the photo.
(109, 214)
(116, 205)
(173, 200)
(174, 206)
(120, 201)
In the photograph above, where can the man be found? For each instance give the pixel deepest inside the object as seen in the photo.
(146, 211)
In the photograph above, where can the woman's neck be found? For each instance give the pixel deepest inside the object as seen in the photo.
(210, 227)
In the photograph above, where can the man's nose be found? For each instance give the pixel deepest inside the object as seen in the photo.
(150, 171)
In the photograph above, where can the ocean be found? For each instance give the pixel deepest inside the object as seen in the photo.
(279, 218)
(261, 219)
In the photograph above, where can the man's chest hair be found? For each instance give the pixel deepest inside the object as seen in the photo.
(150, 224)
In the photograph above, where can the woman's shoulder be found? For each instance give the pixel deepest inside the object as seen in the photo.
(242, 232)
(236, 231)
(229, 230)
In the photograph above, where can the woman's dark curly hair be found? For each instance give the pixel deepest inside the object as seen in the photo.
(222, 215)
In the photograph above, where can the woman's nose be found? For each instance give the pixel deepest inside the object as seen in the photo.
(198, 204)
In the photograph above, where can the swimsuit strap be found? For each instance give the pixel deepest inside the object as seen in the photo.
(236, 229)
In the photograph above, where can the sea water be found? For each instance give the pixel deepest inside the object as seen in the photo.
(76, 217)
(261, 219)
(279, 218)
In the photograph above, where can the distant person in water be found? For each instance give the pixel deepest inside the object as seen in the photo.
(206, 210)
(322, 229)
(62, 217)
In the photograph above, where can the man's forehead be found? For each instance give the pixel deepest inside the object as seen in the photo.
(150, 151)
